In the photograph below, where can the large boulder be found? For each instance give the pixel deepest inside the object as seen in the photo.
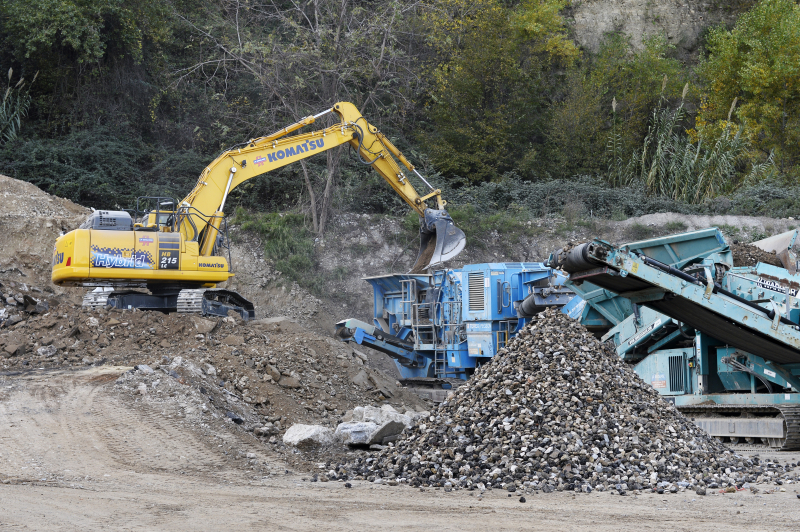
(308, 436)
(356, 432)
(379, 416)
(367, 425)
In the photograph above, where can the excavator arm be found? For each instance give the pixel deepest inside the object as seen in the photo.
(200, 213)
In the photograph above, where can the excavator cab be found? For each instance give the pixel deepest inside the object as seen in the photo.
(157, 213)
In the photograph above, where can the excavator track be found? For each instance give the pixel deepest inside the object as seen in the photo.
(191, 301)
(214, 302)
(789, 414)
(202, 301)
(95, 300)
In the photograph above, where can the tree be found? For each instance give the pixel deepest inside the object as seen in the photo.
(491, 84)
(308, 56)
(758, 62)
(631, 78)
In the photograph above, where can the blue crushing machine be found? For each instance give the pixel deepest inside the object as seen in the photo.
(442, 326)
(721, 342)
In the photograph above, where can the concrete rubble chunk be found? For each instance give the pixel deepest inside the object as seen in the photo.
(233, 340)
(289, 382)
(380, 416)
(13, 349)
(202, 325)
(360, 355)
(47, 351)
(308, 436)
(356, 432)
(367, 425)
(273, 372)
(362, 380)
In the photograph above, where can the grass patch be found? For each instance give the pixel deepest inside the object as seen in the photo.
(676, 226)
(730, 231)
(639, 231)
(511, 223)
(288, 243)
(618, 215)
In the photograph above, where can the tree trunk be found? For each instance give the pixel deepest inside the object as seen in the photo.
(327, 196)
(311, 197)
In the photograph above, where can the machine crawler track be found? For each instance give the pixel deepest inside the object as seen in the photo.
(202, 301)
(96, 300)
(738, 425)
(214, 302)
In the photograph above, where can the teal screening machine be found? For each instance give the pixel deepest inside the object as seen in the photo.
(721, 342)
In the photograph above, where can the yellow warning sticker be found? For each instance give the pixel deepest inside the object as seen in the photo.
(635, 267)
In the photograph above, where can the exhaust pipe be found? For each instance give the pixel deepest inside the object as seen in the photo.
(439, 240)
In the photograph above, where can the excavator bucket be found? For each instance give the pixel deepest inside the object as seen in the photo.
(781, 245)
(439, 240)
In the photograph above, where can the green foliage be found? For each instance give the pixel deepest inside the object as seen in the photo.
(676, 226)
(100, 167)
(618, 75)
(758, 62)
(86, 27)
(490, 91)
(670, 164)
(136, 97)
(288, 243)
(637, 231)
(13, 108)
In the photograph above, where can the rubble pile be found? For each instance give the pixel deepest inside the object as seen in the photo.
(749, 255)
(556, 410)
(280, 371)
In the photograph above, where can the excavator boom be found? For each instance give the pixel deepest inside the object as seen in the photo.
(440, 239)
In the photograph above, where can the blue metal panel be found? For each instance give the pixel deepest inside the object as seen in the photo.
(732, 379)
(667, 371)
(685, 248)
(456, 318)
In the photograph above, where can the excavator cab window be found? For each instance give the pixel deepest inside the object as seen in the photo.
(158, 213)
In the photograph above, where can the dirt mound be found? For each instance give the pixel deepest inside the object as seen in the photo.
(557, 409)
(277, 372)
(749, 255)
(30, 222)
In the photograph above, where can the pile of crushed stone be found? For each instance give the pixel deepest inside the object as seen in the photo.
(749, 255)
(557, 410)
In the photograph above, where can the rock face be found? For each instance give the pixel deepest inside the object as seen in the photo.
(308, 436)
(682, 21)
(556, 409)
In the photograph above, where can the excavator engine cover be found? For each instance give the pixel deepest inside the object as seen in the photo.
(109, 221)
(439, 240)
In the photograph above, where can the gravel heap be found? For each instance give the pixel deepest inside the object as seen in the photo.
(749, 255)
(556, 410)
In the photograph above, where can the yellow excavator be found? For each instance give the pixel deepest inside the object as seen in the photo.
(178, 251)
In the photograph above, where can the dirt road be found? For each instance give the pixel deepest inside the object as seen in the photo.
(74, 456)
